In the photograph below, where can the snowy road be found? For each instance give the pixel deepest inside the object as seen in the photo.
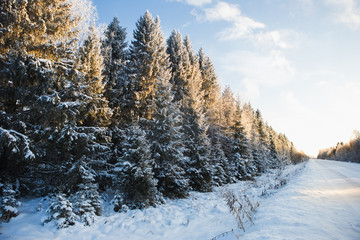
(322, 203)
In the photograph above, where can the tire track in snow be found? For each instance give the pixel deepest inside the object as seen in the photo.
(341, 175)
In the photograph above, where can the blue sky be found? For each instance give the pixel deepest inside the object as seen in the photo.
(297, 61)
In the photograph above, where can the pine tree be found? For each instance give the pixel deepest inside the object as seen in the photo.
(115, 56)
(186, 80)
(148, 63)
(167, 147)
(180, 66)
(138, 184)
(88, 203)
(210, 87)
(94, 109)
(9, 205)
(61, 211)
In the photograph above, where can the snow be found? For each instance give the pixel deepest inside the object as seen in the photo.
(320, 201)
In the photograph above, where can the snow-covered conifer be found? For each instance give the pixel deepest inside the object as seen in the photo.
(88, 203)
(138, 184)
(148, 63)
(9, 204)
(167, 147)
(186, 74)
(180, 66)
(61, 212)
(94, 109)
(210, 88)
(115, 59)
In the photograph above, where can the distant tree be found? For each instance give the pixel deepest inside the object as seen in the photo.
(228, 109)
(180, 66)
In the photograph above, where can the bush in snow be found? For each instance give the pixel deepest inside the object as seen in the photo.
(9, 204)
(61, 212)
(241, 207)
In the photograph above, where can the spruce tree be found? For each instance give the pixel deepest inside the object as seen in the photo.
(9, 204)
(61, 212)
(88, 203)
(180, 66)
(138, 185)
(148, 63)
(167, 146)
(240, 149)
(186, 80)
(115, 57)
(38, 39)
(94, 107)
(210, 87)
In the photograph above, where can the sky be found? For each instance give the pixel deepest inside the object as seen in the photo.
(297, 61)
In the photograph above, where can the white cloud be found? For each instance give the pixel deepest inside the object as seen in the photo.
(197, 3)
(270, 69)
(242, 26)
(306, 4)
(251, 90)
(346, 12)
(222, 11)
(279, 38)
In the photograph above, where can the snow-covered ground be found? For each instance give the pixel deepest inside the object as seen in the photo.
(320, 201)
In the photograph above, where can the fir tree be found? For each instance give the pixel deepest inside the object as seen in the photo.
(180, 66)
(138, 183)
(88, 203)
(61, 211)
(148, 63)
(115, 56)
(9, 204)
(167, 147)
(210, 87)
(94, 109)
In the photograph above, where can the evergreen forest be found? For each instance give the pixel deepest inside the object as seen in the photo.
(144, 119)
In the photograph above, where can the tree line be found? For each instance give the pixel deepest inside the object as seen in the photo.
(347, 152)
(146, 120)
